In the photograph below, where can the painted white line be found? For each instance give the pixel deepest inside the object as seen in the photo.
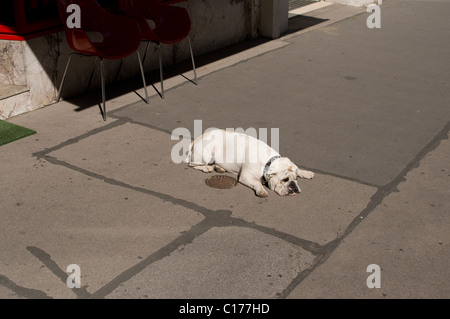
(311, 7)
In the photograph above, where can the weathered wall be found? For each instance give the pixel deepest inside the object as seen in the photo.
(12, 68)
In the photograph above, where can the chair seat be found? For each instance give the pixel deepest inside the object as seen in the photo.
(113, 28)
(80, 42)
(162, 24)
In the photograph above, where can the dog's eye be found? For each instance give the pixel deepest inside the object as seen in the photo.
(285, 180)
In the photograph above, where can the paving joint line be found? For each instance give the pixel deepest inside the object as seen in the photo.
(382, 193)
(213, 218)
(223, 218)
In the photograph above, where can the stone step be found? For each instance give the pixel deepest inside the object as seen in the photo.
(8, 90)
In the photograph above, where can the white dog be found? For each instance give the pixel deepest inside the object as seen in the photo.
(255, 162)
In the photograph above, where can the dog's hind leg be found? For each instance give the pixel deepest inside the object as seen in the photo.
(219, 169)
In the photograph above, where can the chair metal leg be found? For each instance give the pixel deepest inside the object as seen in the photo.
(193, 63)
(64, 77)
(143, 77)
(102, 71)
(145, 52)
(161, 76)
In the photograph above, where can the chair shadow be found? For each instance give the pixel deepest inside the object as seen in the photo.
(122, 87)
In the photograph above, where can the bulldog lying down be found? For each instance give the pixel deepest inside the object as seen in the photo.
(255, 162)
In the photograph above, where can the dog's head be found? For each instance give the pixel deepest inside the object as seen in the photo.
(282, 177)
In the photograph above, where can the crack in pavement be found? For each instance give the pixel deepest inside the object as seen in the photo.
(213, 218)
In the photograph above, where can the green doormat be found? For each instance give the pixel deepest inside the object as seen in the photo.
(10, 132)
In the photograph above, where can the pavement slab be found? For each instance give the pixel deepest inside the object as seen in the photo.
(61, 217)
(406, 235)
(227, 262)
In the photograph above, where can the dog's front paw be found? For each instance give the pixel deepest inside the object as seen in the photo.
(262, 193)
(305, 174)
(309, 175)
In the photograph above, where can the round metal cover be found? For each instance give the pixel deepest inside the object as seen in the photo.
(221, 181)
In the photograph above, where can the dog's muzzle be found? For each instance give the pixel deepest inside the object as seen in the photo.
(293, 188)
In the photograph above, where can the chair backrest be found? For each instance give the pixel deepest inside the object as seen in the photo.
(120, 35)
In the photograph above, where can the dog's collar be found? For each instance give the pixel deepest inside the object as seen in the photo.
(265, 176)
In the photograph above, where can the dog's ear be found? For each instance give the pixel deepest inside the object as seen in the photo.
(269, 178)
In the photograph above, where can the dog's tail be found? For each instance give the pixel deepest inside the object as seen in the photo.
(188, 158)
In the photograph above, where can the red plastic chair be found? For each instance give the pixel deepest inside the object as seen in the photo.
(168, 25)
(120, 37)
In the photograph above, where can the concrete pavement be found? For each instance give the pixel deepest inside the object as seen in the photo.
(367, 110)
